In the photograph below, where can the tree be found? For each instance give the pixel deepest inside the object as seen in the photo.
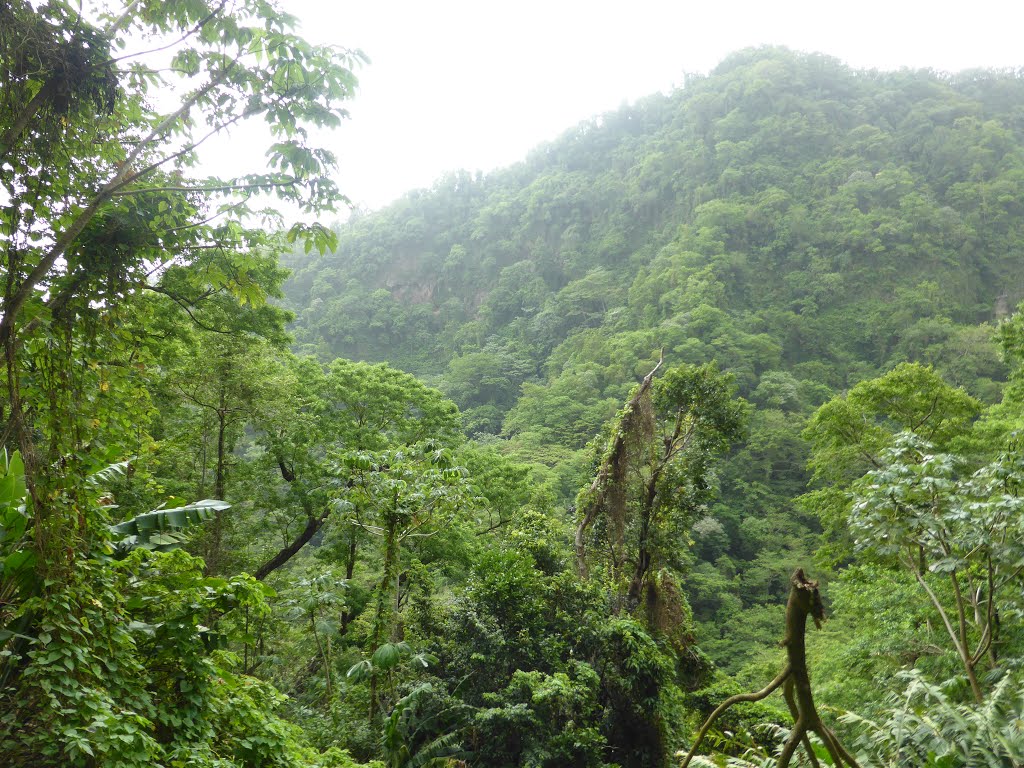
(485, 384)
(314, 601)
(345, 408)
(102, 115)
(1004, 418)
(920, 512)
(98, 201)
(656, 476)
(399, 496)
(214, 387)
(850, 432)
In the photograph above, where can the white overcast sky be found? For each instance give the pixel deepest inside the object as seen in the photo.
(462, 84)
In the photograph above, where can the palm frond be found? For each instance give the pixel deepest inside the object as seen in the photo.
(108, 474)
(436, 753)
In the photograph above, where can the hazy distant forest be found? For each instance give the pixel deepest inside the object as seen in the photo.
(693, 439)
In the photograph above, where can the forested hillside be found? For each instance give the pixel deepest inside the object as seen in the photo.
(565, 465)
(803, 225)
(854, 218)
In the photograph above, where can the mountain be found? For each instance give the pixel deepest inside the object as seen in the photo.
(841, 208)
(803, 224)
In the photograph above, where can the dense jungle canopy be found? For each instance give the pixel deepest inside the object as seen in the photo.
(531, 468)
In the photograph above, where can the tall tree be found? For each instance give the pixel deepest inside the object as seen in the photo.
(102, 113)
(958, 534)
(850, 433)
(656, 478)
(99, 197)
(343, 407)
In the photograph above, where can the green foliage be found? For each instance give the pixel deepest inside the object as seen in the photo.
(162, 529)
(18, 559)
(773, 214)
(879, 624)
(542, 720)
(917, 512)
(1003, 419)
(552, 678)
(828, 244)
(121, 658)
(850, 433)
(125, 216)
(806, 226)
(750, 719)
(485, 385)
(924, 727)
(654, 479)
(122, 266)
(409, 733)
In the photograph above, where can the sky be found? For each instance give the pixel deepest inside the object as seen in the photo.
(456, 84)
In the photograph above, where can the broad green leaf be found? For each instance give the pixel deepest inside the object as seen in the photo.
(386, 656)
(161, 529)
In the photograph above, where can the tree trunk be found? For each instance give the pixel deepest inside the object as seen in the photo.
(383, 624)
(804, 601)
(219, 479)
(643, 555)
(313, 525)
(350, 566)
(213, 550)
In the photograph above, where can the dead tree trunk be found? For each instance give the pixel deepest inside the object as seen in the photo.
(804, 601)
(596, 499)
